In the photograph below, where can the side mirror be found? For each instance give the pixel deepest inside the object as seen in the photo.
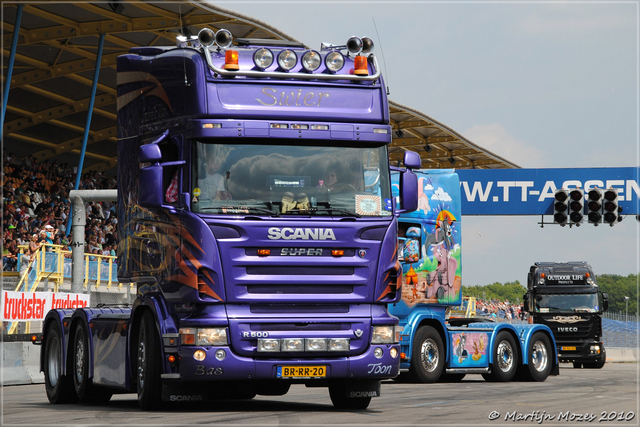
(408, 191)
(525, 298)
(412, 160)
(149, 153)
(150, 187)
(605, 301)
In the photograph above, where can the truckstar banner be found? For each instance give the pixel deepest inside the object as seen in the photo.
(27, 306)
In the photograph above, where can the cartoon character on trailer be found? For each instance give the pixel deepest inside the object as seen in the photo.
(440, 282)
(460, 351)
(423, 200)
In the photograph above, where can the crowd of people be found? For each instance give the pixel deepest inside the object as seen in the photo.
(500, 309)
(36, 208)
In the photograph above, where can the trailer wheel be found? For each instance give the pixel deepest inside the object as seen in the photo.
(540, 354)
(427, 358)
(86, 391)
(337, 395)
(59, 387)
(505, 359)
(148, 367)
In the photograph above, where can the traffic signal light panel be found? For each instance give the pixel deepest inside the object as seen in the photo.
(610, 206)
(594, 206)
(561, 206)
(576, 205)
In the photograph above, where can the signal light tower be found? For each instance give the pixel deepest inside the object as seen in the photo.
(610, 207)
(561, 206)
(576, 206)
(594, 206)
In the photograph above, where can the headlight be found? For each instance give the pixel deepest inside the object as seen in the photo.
(311, 60)
(334, 61)
(315, 344)
(203, 336)
(292, 344)
(386, 334)
(287, 59)
(339, 344)
(267, 344)
(263, 58)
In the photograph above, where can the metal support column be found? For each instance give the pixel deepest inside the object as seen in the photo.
(12, 57)
(87, 126)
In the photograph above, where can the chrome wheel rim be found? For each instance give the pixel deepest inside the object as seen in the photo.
(505, 356)
(539, 356)
(141, 359)
(429, 355)
(53, 364)
(79, 358)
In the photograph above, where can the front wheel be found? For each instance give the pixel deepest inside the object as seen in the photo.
(148, 364)
(59, 387)
(539, 358)
(505, 359)
(427, 356)
(599, 364)
(86, 391)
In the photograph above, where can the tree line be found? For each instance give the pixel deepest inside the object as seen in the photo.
(617, 287)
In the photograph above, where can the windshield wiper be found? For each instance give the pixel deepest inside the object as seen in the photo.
(242, 209)
(342, 211)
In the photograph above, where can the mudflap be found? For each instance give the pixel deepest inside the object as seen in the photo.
(183, 393)
(358, 388)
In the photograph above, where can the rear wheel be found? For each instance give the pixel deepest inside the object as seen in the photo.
(505, 359)
(86, 391)
(539, 358)
(59, 387)
(427, 357)
(148, 367)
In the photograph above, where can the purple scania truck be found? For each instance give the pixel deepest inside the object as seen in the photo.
(257, 223)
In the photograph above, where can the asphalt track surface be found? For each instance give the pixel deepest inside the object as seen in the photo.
(608, 396)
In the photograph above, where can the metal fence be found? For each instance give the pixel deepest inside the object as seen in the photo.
(620, 330)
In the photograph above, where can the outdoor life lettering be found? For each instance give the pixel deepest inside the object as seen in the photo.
(290, 98)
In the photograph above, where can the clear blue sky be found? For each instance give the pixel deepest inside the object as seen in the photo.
(545, 85)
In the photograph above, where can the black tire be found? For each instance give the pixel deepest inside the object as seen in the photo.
(577, 365)
(148, 368)
(599, 364)
(451, 378)
(505, 359)
(86, 391)
(337, 395)
(427, 356)
(540, 358)
(59, 387)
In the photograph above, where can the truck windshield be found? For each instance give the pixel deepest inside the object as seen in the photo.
(567, 303)
(285, 178)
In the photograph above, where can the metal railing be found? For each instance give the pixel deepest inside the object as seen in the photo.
(50, 270)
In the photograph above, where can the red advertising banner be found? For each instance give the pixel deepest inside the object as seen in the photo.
(27, 306)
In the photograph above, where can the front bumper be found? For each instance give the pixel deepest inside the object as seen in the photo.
(580, 352)
(234, 367)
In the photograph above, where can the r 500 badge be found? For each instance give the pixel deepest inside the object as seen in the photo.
(301, 251)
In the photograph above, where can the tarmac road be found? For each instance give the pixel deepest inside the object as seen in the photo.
(575, 397)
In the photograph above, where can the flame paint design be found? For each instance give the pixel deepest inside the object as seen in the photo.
(126, 77)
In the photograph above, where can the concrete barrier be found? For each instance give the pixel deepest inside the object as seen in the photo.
(619, 354)
(21, 363)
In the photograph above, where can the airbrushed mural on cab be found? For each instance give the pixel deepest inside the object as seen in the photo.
(430, 249)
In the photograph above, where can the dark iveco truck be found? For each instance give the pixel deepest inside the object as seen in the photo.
(565, 297)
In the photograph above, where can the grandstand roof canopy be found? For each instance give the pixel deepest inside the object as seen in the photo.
(55, 62)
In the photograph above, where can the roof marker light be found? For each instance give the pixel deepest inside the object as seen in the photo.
(320, 127)
(263, 58)
(311, 60)
(334, 61)
(231, 60)
(360, 67)
(211, 125)
(287, 59)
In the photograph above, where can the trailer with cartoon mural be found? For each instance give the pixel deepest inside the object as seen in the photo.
(261, 254)
(435, 347)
